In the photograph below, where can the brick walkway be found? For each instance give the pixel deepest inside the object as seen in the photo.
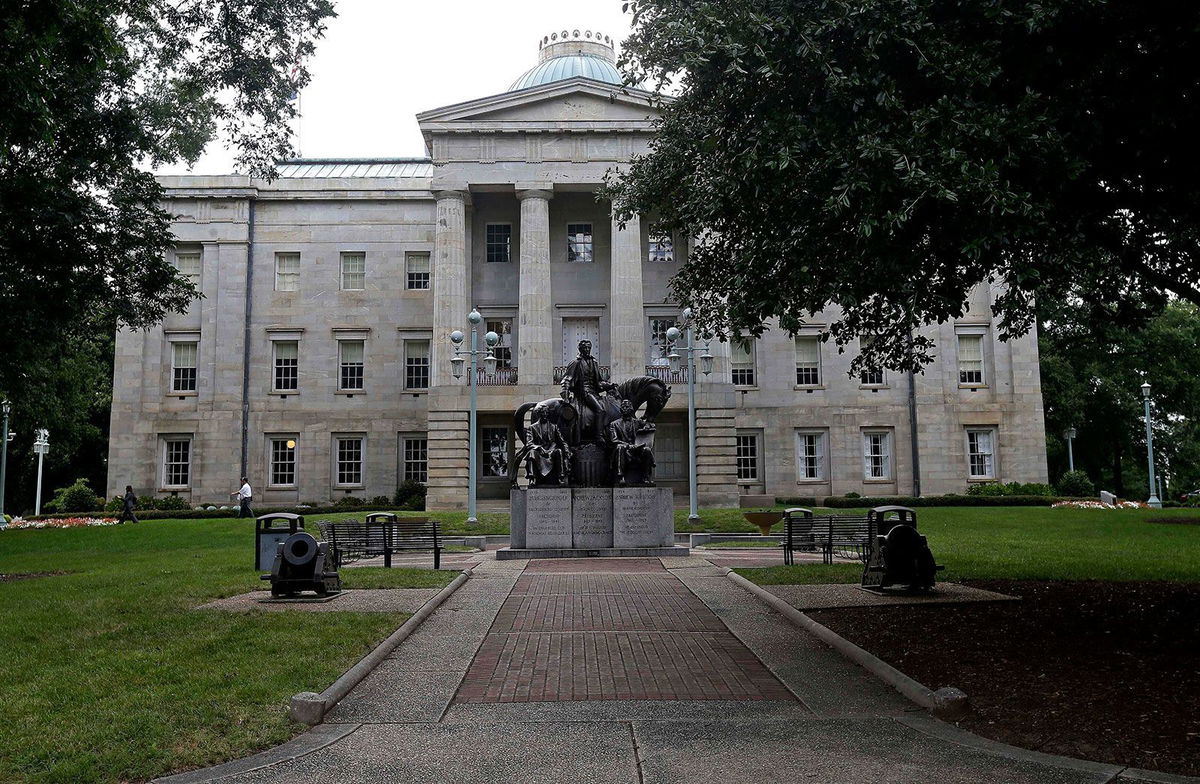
(601, 629)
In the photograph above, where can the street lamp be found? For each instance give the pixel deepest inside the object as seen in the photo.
(6, 409)
(456, 363)
(706, 366)
(1153, 500)
(1070, 434)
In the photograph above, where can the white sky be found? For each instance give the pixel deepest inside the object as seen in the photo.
(382, 61)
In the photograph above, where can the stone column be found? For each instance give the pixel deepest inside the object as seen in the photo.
(535, 355)
(451, 280)
(627, 327)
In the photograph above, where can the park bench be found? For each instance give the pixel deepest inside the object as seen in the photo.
(848, 536)
(383, 533)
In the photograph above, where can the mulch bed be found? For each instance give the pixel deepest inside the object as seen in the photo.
(13, 577)
(1098, 670)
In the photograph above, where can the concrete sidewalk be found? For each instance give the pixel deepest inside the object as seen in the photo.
(638, 671)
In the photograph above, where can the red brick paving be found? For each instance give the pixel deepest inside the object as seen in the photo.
(611, 629)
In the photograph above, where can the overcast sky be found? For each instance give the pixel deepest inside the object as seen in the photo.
(382, 61)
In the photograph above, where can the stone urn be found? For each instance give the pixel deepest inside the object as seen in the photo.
(764, 520)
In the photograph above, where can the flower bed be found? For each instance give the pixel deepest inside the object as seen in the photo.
(19, 523)
(1100, 505)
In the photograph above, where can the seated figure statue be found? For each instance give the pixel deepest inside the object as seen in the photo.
(546, 454)
(623, 436)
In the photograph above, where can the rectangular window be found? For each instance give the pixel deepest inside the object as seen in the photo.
(493, 448)
(877, 455)
(869, 376)
(662, 246)
(746, 456)
(188, 264)
(416, 364)
(981, 463)
(656, 340)
(283, 462)
(177, 462)
(742, 350)
(416, 459)
(349, 461)
(970, 360)
(183, 367)
(810, 456)
(354, 271)
(350, 362)
(287, 365)
(287, 271)
(503, 349)
(808, 361)
(417, 269)
(579, 242)
(499, 242)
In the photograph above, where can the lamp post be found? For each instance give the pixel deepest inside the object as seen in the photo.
(706, 365)
(456, 363)
(6, 409)
(41, 445)
(1153, 500)
(1070, 434)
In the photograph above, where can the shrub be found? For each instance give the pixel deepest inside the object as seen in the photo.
(852, 495)
(996, 489)
(75, 498)
(1076, 483)
(171, 503)
(379, 500)
(144, 502)
(410, 496)
(989, 489)
(348, 502)
(115, 504)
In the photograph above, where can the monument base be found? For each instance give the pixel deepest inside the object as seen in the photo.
(518, 553)
(592, 521)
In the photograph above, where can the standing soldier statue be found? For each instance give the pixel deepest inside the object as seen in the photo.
(582, 386)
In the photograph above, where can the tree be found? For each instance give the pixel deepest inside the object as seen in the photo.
(884, 156)
(95, 94)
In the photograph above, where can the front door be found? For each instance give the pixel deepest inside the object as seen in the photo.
(575, 330)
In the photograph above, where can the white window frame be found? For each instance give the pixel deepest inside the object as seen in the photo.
(989, 457)
(342, 365)
(754, 461)
(358, 276)
(655, 253)
(886, 455)
(176, 345)
(275, 358)
(336, 454)
(973, 333)
(487, 243)
(421, 284)
(736, 367)
(165, 442)
(820, 455)
(591, 233)
(405, 462)
(657, 347)
(410, 360)
(192, 274)
(289, 279)
(272, 440)
(507, 343)
(807, 365)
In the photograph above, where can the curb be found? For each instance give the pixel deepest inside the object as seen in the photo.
(315, 739)
(945, 703)
(310, 708)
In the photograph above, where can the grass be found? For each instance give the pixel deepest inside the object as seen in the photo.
(1039, 544)
(729, 545)
(109, 675)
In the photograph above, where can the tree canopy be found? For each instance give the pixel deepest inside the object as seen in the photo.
(884, 156)
(95, 94)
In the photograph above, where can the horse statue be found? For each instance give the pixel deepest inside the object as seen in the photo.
(639, 390)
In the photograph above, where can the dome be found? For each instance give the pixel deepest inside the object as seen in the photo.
(567, 54)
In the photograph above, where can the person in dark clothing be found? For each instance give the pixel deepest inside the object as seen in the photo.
(128, 503)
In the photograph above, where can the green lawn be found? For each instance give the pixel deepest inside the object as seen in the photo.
(1038, 543)
(109, 675)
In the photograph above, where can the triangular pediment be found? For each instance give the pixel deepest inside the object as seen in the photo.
(577, 100)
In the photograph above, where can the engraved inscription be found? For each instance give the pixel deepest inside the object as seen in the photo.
(548, 518)
(592, 517)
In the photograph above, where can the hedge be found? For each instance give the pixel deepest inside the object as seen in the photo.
(198, 514)
(868, 502)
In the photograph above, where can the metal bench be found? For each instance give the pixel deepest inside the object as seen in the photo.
(383, 533)
(848, 536)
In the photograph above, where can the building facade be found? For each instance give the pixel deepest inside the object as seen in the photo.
(317, 361)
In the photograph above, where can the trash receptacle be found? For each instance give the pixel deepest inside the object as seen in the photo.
(269, 531)
(386, 520)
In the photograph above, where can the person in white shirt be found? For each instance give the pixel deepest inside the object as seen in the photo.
(243, 495)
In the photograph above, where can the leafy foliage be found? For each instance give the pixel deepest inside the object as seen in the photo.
(1077, 484)
(410, 495)
(885, 156)
(1011, 489)
(77, 497)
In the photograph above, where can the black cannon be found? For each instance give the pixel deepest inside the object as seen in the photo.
(304, 564)
(899, 558)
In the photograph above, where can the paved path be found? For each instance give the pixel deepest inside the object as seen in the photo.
(637, 672)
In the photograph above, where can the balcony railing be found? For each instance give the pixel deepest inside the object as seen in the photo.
(561, 370)
(664, 373)
(501, 378)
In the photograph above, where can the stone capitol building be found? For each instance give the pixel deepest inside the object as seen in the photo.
(317, 362)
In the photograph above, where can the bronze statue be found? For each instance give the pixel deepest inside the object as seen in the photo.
(628, 448)
(582, 385)
(546, 454)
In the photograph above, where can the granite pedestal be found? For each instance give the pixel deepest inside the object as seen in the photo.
(583, 522)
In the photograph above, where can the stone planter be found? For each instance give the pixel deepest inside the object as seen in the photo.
(764, 520)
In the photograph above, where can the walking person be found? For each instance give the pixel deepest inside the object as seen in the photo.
(243, 495)
(127, 505)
